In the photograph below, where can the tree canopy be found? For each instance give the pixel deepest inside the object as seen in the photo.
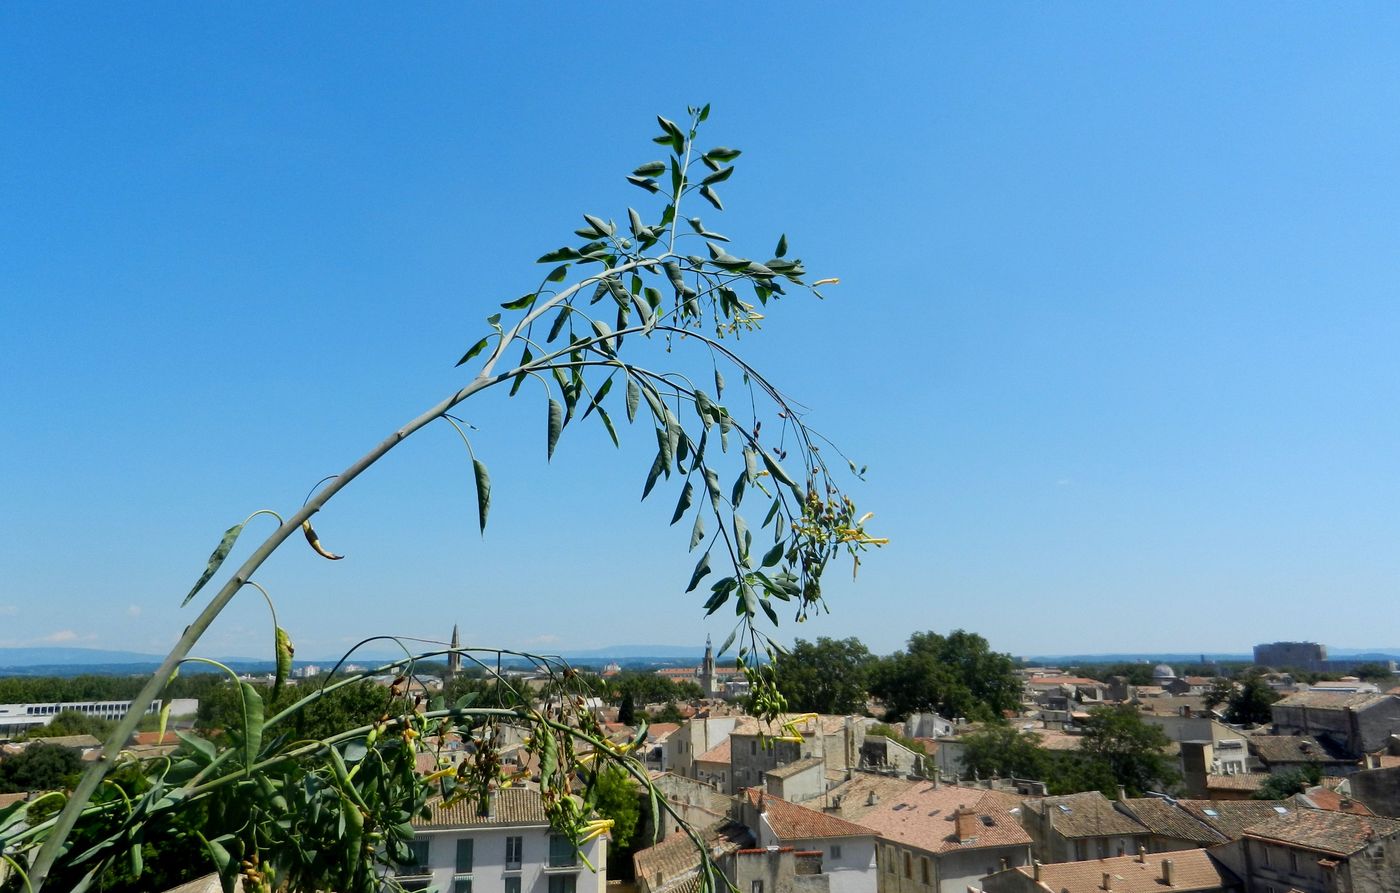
(825, 676)
(957, 675)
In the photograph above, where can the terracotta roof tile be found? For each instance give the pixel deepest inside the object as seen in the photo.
(675, 857)
(792, 769)
(852, 798)
(717, 754)
(1231, 817)
(1244, 781)
(1166, 818)
(793, 822)
(1089, 814)
(923, 816)
(1191, 870)
(512, 806)
(1323, 798)
(1292, 749)
(1337, 833)
(1333, 700)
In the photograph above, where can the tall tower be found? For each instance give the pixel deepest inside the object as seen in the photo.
(454, 660)
(707, 670)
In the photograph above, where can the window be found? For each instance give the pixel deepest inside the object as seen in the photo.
(1293, 861)
(923, 867)
(561, 855)
(835, 851)
(513, 884)
(908, 865)
(753, 748)
(756, 887)
(464, 856)
(417, 857)
(513, 857)
(462, 885)
(1264, 854)
(562, 883)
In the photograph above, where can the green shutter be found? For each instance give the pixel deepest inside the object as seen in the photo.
(464, 855)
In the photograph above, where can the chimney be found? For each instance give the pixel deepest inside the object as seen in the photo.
(1035, 870)
(872, 798)
(1107, 881)
(1122, 793)
(1142, 854)
(1167, 871)
(1345, 804)
(966, 821)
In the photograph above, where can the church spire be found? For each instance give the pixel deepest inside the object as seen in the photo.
(454, 660)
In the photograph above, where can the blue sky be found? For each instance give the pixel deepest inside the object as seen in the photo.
(1116, 331)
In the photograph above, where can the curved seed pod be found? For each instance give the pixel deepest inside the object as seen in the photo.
(285, 650)
(315, 542)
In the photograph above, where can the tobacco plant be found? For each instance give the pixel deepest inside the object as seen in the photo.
(281, 814)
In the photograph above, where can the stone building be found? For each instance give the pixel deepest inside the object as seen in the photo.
(1354, 724)
(1317, 851)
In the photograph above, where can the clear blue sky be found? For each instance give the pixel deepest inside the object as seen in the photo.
(1117, 331)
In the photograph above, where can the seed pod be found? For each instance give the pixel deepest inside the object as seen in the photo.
(315, 542)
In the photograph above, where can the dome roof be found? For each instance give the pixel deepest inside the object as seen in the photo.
(1162, 671)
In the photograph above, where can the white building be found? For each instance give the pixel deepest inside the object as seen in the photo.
(510, 849)
(15, 719)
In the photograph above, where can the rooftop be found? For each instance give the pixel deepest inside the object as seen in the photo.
(1334, 833)
(511, 806)
(1191, 870)
(1333, 700)
(1292, 749)
(1089, 814)
(790, 821)
(924, 816)
(1167, 818)
(720, 753)
(792, 769)
(1231, 817)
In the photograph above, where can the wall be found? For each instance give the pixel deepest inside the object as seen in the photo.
(775, 869)
(694, 737)
(750, 758)
(851, 872)
(806, 784)
(489, 859)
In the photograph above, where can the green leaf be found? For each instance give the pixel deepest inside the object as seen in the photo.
(687, 498)
(559, 321)
(476, 348)
(705, 113)
(781, 250)
(646, 183)
(604, 333)
(710, 196)
(634, 220)
(712, 485)
(702, 567)
(736, 494)
(718, 176)
(558, 254)
(524, 301)
(215, 560)
(525, 358)
(598, 397)
(643, 309)
(283, 648)
(704, 408)
(483, 492)
(775, 554)
(634, 399)
(601, 226)
(723, 153)
(778, 473)
(558, 273)
(650, 169)
(200, 748)
(556, 424)
(607, 423)
(742, 538)
(768, 609)
(252, 704)
(657, 467)
(719, 383)
(666, 445)
(697, 532)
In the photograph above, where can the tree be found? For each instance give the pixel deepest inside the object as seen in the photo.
(1282, 785)
(1374, 671)
(627, 711)
(39, 767)
(1220, 692)
(618, 800)
(334, 812)
(72, 722)
(826, 676)
(1003, 750)
(957, 675)
(1249, 704)
(1133, 752)
(668, 713)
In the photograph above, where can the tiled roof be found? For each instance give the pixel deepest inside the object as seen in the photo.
(1244, 781)
(659, 730)
(1054, 740)
(512, 806)
(924, 816)
(851, 799)
(1337, 833)
(1231, 817)
(793, 822)
(825, 723)
(792, 769)
(1322, 798)
(1089, 814)
(1291, 749)
(677, 855)
(1038, 681)
(717, 754)
(1167, 819)
(1333, 700)
(1191, 870)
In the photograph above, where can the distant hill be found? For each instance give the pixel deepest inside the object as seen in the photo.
(15, 658)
